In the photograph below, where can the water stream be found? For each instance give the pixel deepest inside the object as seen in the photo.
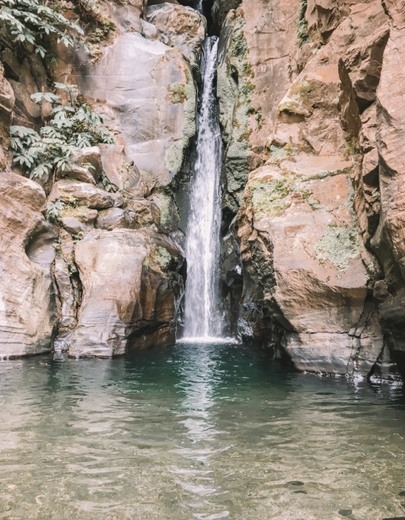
(201, 433)
(202, 317)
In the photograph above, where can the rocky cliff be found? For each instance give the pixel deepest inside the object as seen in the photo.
(312, 172)
(310, 98)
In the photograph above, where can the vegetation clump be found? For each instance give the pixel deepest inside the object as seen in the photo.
(71, 125)
(302, 29)
(33, 23)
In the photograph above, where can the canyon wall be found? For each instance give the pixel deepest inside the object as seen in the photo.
(312, 116)
(310, 95)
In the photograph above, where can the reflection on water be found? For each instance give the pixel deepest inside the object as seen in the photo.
(198, 432)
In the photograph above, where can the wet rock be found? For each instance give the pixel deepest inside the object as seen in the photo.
(68, 291)
(345, 512)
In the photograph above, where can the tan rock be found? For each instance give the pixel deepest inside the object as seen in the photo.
(308, 260)
(111, 219)
(74, 192)
(130, 288)
(26, 303)
(180, 27)
(389, 239)
(153, 104)
(257, 52)
(120, 171)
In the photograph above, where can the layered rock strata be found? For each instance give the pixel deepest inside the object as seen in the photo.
(316, 125)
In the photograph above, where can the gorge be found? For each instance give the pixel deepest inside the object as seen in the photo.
(201, 253)
(311, 118)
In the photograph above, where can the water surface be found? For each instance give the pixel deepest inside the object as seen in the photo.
(197, 432)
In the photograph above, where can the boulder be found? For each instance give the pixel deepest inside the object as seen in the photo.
(180, 27)
(152, 104)
(74, 192)
(26, 296)
(130, 290)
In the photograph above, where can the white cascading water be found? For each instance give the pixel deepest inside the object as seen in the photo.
(202, 317)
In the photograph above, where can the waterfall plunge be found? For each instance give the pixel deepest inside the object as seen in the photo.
(202, 318)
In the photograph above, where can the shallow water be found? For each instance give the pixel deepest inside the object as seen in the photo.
(197, 432)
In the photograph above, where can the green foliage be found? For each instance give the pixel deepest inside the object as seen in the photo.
(302, 30)
(72, 125)
(31, 23)
(106, 185)
(53, 209)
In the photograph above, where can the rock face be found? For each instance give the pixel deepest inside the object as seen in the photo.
(26, 295)
(179, 27)
(304, 111)
(388, 241)
(138, 309)
(311, 108)
(148, 87)
(102, 277)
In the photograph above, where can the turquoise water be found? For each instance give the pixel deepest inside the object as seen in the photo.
(196, 432)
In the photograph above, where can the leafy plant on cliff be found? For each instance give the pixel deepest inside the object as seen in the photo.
(70, 126)
(31, 23)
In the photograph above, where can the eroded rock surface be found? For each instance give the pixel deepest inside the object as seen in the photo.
(133, 309)
(27, 306)
(147, 87)
(308, 212)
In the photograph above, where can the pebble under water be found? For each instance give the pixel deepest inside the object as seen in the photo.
(200, 432)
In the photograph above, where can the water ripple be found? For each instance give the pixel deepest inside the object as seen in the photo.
(207, 433)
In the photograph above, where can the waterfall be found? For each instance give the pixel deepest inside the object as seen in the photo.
(202, 318)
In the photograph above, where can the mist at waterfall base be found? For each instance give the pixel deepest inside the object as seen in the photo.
(202, 317)
(214, 432)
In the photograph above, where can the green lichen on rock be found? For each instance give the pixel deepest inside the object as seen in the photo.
(302, 98)
(235, 87)
(169, 214)
(162, 257)
(185, 94)
(269, 197)
(338, 245)
(302, 28)
(177, 93)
